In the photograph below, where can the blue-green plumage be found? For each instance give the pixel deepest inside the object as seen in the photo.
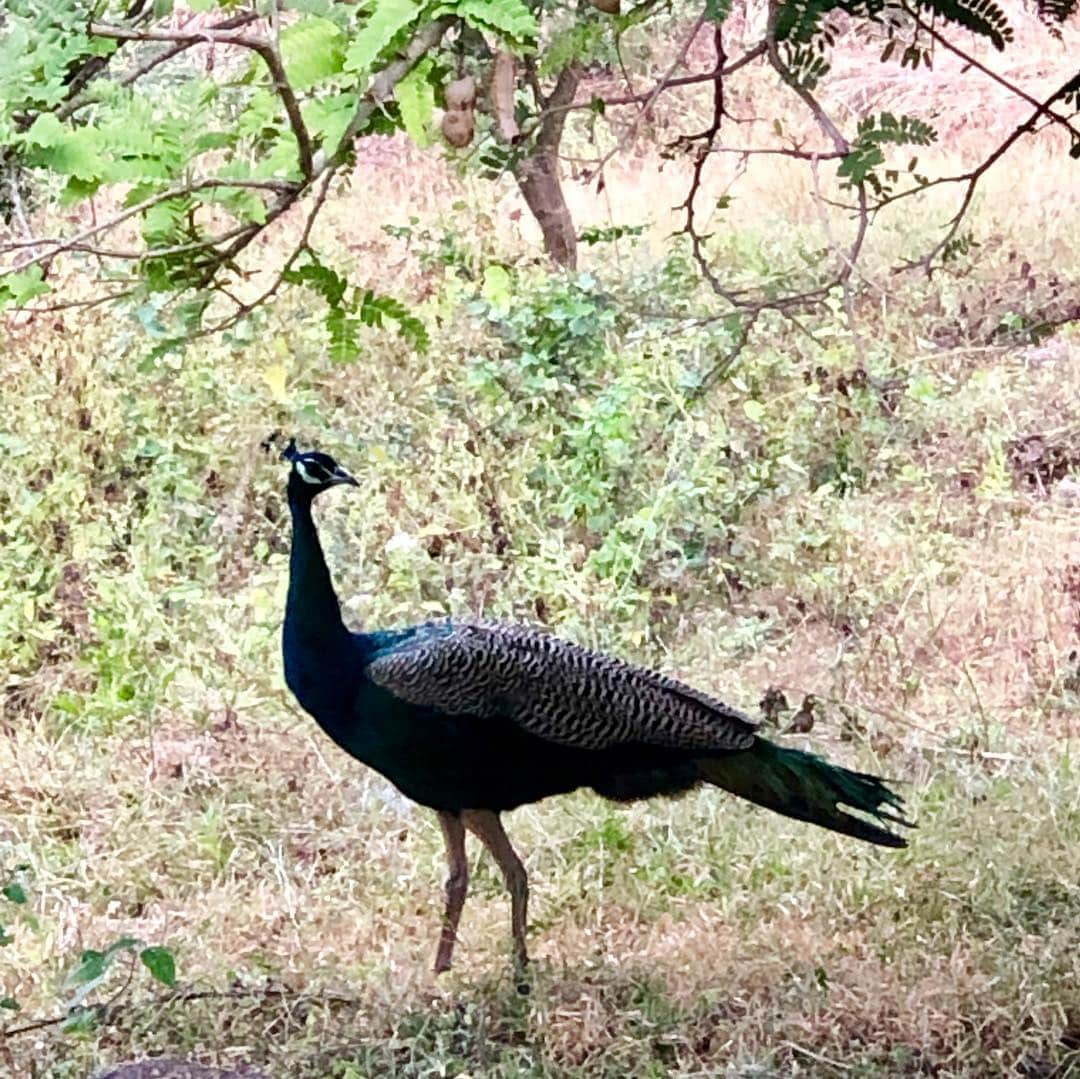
(472, 719)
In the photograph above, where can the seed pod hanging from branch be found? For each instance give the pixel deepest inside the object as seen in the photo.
(502, 96)
(459, 123)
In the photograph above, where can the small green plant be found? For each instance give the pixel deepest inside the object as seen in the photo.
(94, 971)
(97, 970)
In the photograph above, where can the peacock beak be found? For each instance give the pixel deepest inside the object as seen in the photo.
(341, 476)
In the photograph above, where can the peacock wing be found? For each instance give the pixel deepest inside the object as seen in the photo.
(554, 689)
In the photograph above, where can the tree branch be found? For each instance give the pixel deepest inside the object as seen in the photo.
(776, 61)
(313, 166)
(81, 101)
(1042, 108)
(304, 244)
(59, 244)
(971, 179)
(382, 86)
(257, 44)
(651, 98)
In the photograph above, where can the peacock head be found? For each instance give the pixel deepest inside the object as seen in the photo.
(314, 472)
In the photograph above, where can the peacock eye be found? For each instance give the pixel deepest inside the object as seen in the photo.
(309, 471)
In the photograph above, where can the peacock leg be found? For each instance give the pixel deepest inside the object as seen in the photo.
(487, 827)
(457, 884)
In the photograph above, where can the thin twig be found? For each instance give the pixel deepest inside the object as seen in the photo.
(81, 101)
(244, 309)
(772, 51)
(971, 179)
(651, 97)
(664, 84)
(113, 1008)
(780, 151)
(68, 305)
(92, 230)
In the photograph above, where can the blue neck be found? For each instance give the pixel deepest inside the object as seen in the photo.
(312, 611)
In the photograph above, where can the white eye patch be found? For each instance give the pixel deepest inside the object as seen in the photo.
(306, 476)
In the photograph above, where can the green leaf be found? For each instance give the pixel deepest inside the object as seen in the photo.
(858, 164)
(374, 309)
(165, 223)
(79, 1021)
(243, 203)
(22, 285)
(388, 19)
(92, 966)
(14, 891)
(755, 411)
(496, 288)
(328, 117)
(161, 964)
(45, 131)
(280, 161)
(75, 190)
(328, 284)
(121, 944)
(75, 155)
(510, 18)
(312, 50)
(344, 336)
(9, 1004)
(982, 17)
(416, 99)
(5, 936)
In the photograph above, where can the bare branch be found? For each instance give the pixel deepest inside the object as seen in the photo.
(304, 244)
(779, 151)
(81, 101)
(972, 179)
(706, 138)
(214, 34)
(741, 299)
(651, 98)
(68, 305)
(824, 121)
(57, 245)
(272, 58)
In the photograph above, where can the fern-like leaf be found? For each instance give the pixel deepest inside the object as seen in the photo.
(344, 335)
(1056, 11)
(373, 309)
(389, 18)
(312, 50)
(327, 283)
(982, 17)
(416, 101)
(510, 19)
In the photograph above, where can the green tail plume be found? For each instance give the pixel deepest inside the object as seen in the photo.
(807, 787)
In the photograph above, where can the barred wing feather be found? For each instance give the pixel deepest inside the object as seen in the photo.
(554, 689)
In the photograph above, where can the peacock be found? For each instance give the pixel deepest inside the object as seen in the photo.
(474, 718)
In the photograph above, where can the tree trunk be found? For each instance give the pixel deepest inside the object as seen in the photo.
(538, 174)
